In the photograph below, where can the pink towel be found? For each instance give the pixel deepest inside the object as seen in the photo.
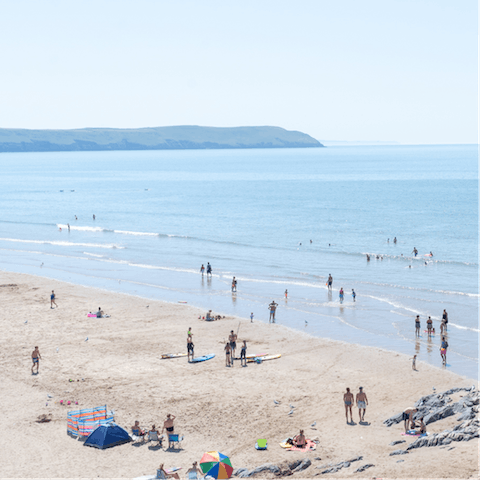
(309, 446)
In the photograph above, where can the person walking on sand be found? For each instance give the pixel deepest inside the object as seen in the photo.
(340, 295)
(243, 354)
(443, 350)
(330, 281)
(36, 357)
(232, 338)
(362, 403)
(417, 326)
(202, 269)
(272, 307)
(52, 300)
(228, 350)
(414, 361)
(354, 295)
(190, 346)
(348, 401)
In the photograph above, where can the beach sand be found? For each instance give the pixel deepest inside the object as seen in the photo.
(216, 408)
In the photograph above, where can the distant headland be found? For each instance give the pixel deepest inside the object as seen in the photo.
(156, 138)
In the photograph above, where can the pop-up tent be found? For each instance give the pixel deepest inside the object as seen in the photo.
(107, 435)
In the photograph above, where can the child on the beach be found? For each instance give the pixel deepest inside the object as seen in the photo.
(251, 317)
(414, 362)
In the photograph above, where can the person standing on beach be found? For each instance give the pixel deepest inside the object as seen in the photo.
(272, 307)
(209, 269)
(417, 326)
(407, 417)
(429, 326)
(36, 357)
(243, 354)
(202, 269)
(348, 401)
(52, 300)
(414, 362)
(232, 338)
(330, 281)
(443, 350)
(251, 317)
(340, 295)
(362, 403)
(228, 350)
(190, 346)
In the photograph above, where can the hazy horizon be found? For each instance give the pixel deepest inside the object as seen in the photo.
(403, 72)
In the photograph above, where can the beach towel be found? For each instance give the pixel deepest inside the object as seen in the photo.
(411, 433)
(308, 447)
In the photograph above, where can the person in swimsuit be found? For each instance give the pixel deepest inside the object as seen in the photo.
(190, 346)
(414, 362)
(415, 251)
(362, 403)
(417, 326)
(209, 269)
(243, 354)
(286, 294)
(137, 427)
(36, 357)
(194, 468)
(251, 317)
(429, 326)
(299, 440)
(202, 269)
(272, 307)
(407, 417)
(330, 281)
(68, 225)
(76, 217)
(422, 427)
(234, 285)
(445, 319)
(228, 351)
(52, 300)
(168, 426)
(340, 295)
(395, 240)
(348, 400)
(354, 295)
(232, 338)
(443, 350)
(165, 473)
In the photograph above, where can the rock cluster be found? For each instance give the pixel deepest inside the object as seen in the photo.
(361, 469)
(339, 466)
(290, 469)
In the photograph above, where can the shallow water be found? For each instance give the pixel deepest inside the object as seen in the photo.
(252, 214)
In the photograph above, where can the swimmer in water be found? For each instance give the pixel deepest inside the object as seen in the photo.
(76, 217)
(68, 225)
(431, 254)
(395, 240)
(368, 257)
(415, 251)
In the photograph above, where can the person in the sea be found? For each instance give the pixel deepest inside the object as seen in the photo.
(341, 294)
(299, 440)
(417, 326)
(52, 300)
(354, 295)
(36, 357)
(362, 403)
(209, 269)
(234, 285)
(330, 281)
(368, 257)
(445, 319)
(68, 225)
(232, 338)
(415, 251)
(395, 240)
(190, 346)
(76, 217)
(429, 326)
(243, 354)
(348, 401)
(94, 216)
(286, 294)
(169, 427)
(407, 417)
(272, 307)
(202, 269)
(443, 350)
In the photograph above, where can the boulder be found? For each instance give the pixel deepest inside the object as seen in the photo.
(398, 452)
(361, 469)
(438, 414)
(393, 420)
(304, 464)
(396, 442)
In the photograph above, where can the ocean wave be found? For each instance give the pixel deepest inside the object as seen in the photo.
(82, 229)
(126, 232)
(62, 243)
(93, 255)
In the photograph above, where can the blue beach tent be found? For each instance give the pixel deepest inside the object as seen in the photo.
(107, 435)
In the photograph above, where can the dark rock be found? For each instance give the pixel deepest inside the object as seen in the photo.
(398, 452)
(443, 412)
(451, 448)
(396, 442)
(399, 461)
(393, 420)
(361, 469)
(304, 464)
(294, 464)
(466, 415)
(355, 459)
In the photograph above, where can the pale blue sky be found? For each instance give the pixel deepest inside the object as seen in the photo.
(403, 70)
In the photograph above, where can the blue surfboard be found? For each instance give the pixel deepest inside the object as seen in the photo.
(203, 359)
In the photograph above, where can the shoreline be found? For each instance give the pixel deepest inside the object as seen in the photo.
(121, 367)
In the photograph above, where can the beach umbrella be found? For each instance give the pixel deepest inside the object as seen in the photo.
(216, 464)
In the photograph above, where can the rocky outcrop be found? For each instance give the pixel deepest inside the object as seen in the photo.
(338, 466)
(279, 471)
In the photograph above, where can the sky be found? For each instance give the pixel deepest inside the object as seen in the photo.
(370, 70)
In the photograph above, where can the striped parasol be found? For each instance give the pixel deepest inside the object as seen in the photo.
(216, 464)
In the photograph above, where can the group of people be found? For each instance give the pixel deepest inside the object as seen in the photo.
(230, 348)
(168, 427)
(409, 423)
(209, 269)
(430, 332)
(341, 295)
(361, 401)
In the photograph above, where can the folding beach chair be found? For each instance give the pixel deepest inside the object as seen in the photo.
(153, 437)
(161, 475)
(261, 444)
(173, 439)
(193, 475)
(136, 435)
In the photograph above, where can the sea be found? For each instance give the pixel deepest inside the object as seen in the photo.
(277, 220)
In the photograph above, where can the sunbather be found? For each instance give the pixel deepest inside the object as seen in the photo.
(137, 428)
(172, 475)
(153, 430)
(300, 441)
(194, 471)
(422, 427)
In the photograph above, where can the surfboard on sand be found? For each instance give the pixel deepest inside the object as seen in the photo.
(204, 358)
(266, 357)
(252, 355)
(174, 355)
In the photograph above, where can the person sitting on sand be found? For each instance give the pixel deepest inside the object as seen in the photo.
(194, 471)
(153, 430)
(422, 427)
(407, 417)
(172, 475)
(137, 427)
(300, 441)
(209, 317)
(100, 312)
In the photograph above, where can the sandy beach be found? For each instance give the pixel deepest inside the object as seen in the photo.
(216, 408)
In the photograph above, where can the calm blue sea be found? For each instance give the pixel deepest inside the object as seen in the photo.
(252, 215)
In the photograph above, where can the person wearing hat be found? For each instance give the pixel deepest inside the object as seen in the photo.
(362, 403)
